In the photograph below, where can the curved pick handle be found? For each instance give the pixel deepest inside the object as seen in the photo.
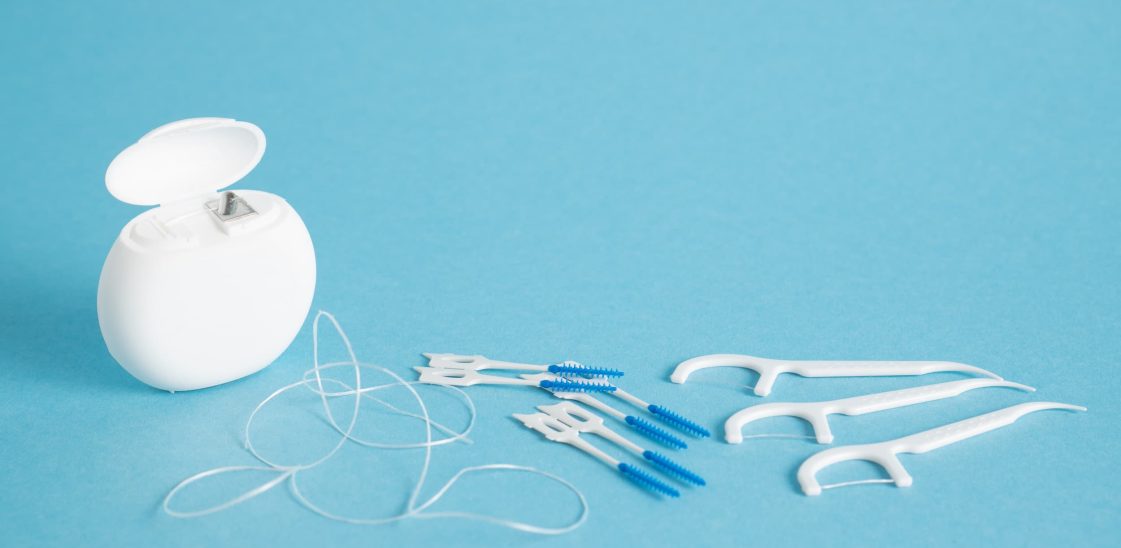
(968, 428)
(816, 413)
(769, 369)
(810, 412)
(870, 403)
(875, 453)
(881, 368)
(885, 453)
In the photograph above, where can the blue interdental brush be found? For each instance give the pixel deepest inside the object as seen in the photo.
(665, 415)
(470, 376)
(555, 430)
(479, 363)
(566, 385)
(577, 369)
(571, 414)
(639, 424)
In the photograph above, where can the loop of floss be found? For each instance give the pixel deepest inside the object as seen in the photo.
(327, 388)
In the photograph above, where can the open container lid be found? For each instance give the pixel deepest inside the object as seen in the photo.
(185, 158)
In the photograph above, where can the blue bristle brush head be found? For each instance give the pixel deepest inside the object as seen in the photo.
(568, 369)
(646, 481)
(655, 433)
(681, 423)
(673, 468)
(566, 385)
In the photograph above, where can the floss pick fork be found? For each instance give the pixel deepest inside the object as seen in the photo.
(885, 453)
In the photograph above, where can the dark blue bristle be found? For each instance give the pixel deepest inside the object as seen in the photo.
(682, 423)
(568, 369)
(655, 433)
(646, 481)
(673, 468)
(565, 385)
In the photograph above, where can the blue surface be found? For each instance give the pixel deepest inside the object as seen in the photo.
(627, 184)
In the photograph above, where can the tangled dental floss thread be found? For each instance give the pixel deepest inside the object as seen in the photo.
(314, 380)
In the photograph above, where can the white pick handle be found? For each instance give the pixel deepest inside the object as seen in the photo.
(769, 369)
(885, 453)
(816, 413)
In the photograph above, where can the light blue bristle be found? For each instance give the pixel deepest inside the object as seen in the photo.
(682, 423)
(568, 369)
(655, 433)
(673, 468)
(566, 385)
(646, 481)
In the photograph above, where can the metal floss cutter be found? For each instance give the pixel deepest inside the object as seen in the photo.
(208, 286)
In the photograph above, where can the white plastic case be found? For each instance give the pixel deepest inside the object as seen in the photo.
(209, 286)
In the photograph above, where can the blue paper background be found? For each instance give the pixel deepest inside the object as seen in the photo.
(628, 184)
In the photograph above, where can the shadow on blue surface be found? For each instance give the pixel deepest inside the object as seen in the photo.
(53, 338)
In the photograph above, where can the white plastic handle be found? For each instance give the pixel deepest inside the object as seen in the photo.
(885, 453)
(555, 430)
(571, 414)
(476, 362)
(769, 369)
(816, 413)
(463, 377)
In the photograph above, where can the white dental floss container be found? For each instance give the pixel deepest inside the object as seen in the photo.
(208, 286)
